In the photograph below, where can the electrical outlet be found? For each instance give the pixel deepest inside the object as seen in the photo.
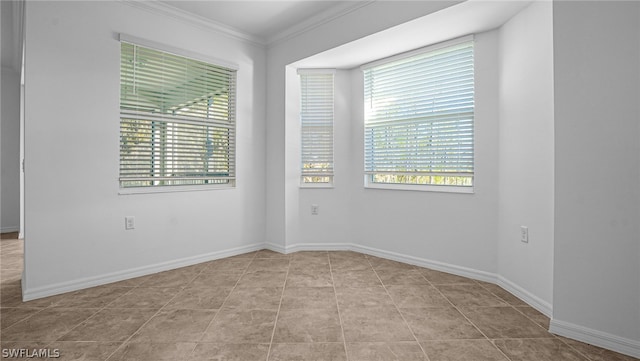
(524, 234)
(129, 222)
(314, 209)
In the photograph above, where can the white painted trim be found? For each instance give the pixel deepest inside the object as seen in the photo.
(159, 7)
(319, 247)
(275, 247)
(319, 19)
(63, 287)
(9, 229)
(597, 338)
(529, 298)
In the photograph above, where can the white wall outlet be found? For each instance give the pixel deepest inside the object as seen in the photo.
(129, 222)
(314, 209)
(524, 234)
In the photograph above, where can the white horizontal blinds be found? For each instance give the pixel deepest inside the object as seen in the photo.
(316, 115)
(419, 114)
(177, 120)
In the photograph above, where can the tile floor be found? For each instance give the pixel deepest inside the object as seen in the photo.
(263, 305)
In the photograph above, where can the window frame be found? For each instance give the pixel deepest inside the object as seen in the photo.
(368, 181)
(232, 103)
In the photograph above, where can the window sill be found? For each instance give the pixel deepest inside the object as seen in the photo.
(420, 188)
(316, 186)
(174, 189)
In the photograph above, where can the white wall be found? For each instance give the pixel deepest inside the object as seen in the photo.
(10, 131)
(597, 155)
(526, 154)
(74, 216)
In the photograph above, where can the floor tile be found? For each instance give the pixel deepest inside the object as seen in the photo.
(266, 253)
(263, 298)
(241, 326)
(503, 294)
(307, 351)
(401, 277)
(389, 265)
(171, 279)
(374, 325)
(310, 278)
(439, 324)
(385, 351)
(10, 316)
(145, 297)
(417, 296)
(12, 297)
(355, 278)
(545, 349)
(230, 352)
(470, 295)
(310, 257)
(85, 351)
(226, 265)
(462, 350)
(262, 279)
(308, 297)
(535, 316)
(269, 265)
(594, 353)
(110, 325)
(47, 325)
(350, 264)
(96, 297)
(175, 326)
(200, 298)
(215, 280)
(504, 322)
(308, 325)
(142, 351)
(363, 297)
(443, 278)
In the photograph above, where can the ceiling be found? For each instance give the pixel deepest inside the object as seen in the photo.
(266, 21)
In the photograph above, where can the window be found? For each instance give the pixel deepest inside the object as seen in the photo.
(316, 118)
(419, 115)
(177, 120)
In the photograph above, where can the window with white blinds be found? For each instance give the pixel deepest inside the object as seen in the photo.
(177, 120)
(316, 118)
(419, 117)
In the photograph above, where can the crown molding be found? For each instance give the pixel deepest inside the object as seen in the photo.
(194, 19)
(319, 19)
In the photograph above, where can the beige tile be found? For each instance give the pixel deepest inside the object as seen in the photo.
(350, 264)
(145, 297)
(226, 265)
(355, 278)
(314, 257)
(200, 298)
(417, 296)
(363, 297)
(335, 255)
(401, 277)
(308, 351)
(308, 297)
(171, 279)
(110, 325)
(443, 278)
(230, 352)
(308, 325)
(85, 351)
(215, 280)
(262, 298)
(503, 294)
(241, 326)
(310, 278)
(12, 276)
(262, 279)
(462, 350)
(96, 297)
(11, 296)
(439, 324)
(266, 253)
(374, 325)
(389, 265)
(47, 325)
(470, 295)
(385, 351)
(545, 349)
(10, 316)
(535, 316)
(594, 353)
(504, 322)
(143, 351)
(269, 265)
(175, 326)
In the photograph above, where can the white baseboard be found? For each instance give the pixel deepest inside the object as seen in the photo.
(529, 298)
(82, 283)
(597, 338)
(9, 229)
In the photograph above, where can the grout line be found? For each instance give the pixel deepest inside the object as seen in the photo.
(275, 322)
(335, 294)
